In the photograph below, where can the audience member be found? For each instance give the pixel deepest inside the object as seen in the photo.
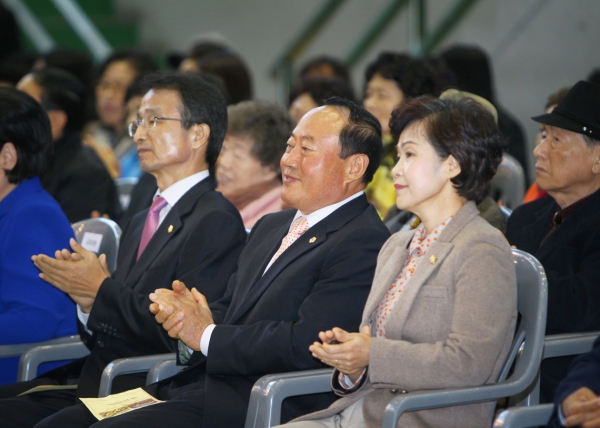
(198, 50)
(248, 169)
(577, 395)
(488, 208)
(325, 66)
(389, 79)
(79, 64)
(126, 149)
(312, 92)
(301, 271)
(430, 321)
(231, 68)
(561, 230)
(473, 73)
(14, 67)
(534, 192)
(115, 74)
(75, 176)
(190, 233)
(31, 222)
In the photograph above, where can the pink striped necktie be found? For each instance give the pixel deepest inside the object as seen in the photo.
(299, 226)
(151, 223)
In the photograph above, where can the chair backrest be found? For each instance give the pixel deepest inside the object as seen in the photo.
(509, 182)
(124, 187)
(528, 344)
(100, 236)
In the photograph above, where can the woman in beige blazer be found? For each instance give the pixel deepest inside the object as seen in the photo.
(442, 310)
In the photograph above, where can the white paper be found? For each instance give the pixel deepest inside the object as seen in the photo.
(91, 241)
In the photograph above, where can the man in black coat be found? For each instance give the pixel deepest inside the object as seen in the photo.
(75, 177)
(191, 233)
(563, 229)
(302, 271)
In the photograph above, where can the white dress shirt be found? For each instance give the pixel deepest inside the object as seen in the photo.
(172, 195)
(313, 219)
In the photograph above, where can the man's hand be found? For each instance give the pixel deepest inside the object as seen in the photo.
(350, 356)
(582, 408)
(79, 274)
(184, 314)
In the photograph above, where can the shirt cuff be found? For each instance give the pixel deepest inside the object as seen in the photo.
(346, 383)
(561, 416)
(205, 339)
(83, 318)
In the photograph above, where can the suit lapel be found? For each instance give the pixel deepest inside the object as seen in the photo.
(312, 238)
(440, 249)
(261, 254)
(387, 275)
(167, 230)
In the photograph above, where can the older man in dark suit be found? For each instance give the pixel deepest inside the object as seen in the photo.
(191, 233)
(562, 229)
(302, 271)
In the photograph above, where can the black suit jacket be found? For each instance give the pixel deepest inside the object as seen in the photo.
(198, 242)
(265, 323)
(79, 181)
(571, 259)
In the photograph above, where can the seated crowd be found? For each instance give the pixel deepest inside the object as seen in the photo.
(255, 243)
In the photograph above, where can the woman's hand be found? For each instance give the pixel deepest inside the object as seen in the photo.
(350, 356)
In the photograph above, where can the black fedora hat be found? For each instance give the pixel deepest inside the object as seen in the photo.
(579, 111)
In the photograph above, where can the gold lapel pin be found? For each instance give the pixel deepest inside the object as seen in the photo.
(170, 228)
(432, 260)
(313, 239)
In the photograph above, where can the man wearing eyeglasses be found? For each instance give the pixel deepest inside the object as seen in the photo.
(191, 233)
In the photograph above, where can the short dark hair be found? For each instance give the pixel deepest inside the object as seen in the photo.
(141, 61)
(79, 64)
(413, 76)
(26, 125)
(267, 124)
(362, 134)
(340, 70)
(62, 91)
(321, 88)
(232, 69)
(462, 128)
(201, 103)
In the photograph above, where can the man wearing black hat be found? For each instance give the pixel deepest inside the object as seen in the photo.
(563, 229)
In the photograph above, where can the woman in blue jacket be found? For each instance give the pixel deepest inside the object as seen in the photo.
(31, 222)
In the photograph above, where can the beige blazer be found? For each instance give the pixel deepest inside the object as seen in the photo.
(452, 326)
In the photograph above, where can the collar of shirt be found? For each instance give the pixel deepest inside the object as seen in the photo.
(175, 191)
(315, 217)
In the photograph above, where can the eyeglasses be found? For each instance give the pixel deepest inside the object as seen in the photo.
(147, 122)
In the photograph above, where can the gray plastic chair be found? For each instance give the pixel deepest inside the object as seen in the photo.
(159, 366)
(269, 391)
(522, 417)
(125, 187)
(509, 182)
(100, 236)
(60, 349)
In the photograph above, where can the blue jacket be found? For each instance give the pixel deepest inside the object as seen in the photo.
(31, 222)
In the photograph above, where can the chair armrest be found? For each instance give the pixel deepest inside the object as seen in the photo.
(562, 345)
(33, 358)
(264, 409)
(522, 417)
(420, 400)
(124, 366)
(162, 370)
(17, 349)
